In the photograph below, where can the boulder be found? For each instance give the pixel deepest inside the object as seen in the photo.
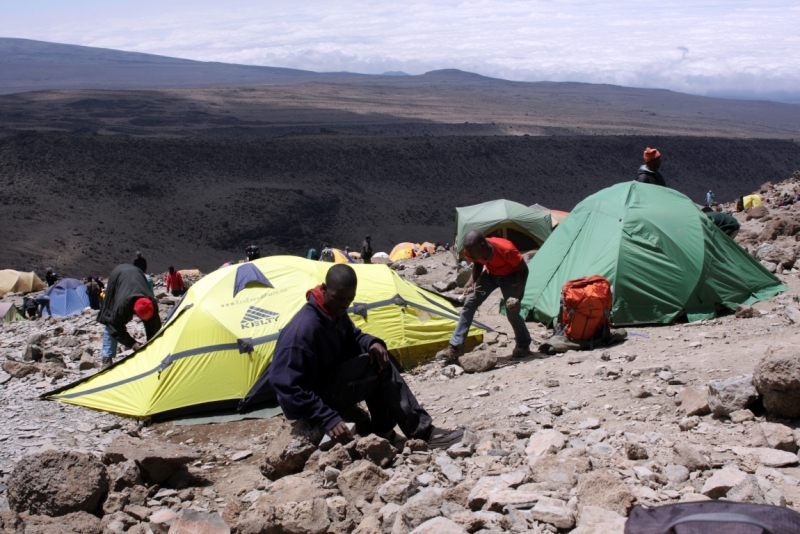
(726, 396)
(19, 369)
(721, 481)
(777, 378)
(195, 522)
(779, 226)
(601, 488)
(693, 401)
(376, 449)
(307, 517)
(124, 475)
(766, 456)
(548, 441)
(478, 362)
(157, 460)
(779, 436)
(420, 508)
(56, 483)
(596, 520)
(747, 491)
(73, 523)
(360, 481)
(554, 512)
(690, 456)
(439, 525)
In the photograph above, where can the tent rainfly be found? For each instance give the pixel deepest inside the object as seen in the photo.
(218, 343)
(9, 313)
(18, 282)
(663, 257)
(525, 227)
(67, 297)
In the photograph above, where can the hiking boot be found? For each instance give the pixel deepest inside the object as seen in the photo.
(521, 352)
(450, 355)
(442, 438)
(106, 363)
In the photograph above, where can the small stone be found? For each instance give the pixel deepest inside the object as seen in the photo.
(727, 396)
(554, 512)
(779, 436)
(693, 401)
(635, 451)
(766, 456)
(241, 455)
(676, 474)
(740, 416)
(689, 456)
(478, 362)
(721, 481)
(551, 383)
(543, 442)
(688, 423)
(590, 423)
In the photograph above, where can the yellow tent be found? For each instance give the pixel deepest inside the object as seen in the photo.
(428, 247)
(9, 313)
(751, 201)
(403, 251)
(221, 337)
(17, 282)
(340, 256)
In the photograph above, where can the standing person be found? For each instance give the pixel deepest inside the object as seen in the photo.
(140, 262)
(50, 277)
(175, 282)
(327, 254)
(323, 364)
(648, 173)
(93, 291)
(99, 282)
(43, 301)
(496, 262)
(252, 253)
(710, 198)
(366, 249)
(127, 294)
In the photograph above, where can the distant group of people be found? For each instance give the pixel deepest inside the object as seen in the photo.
(327, 253)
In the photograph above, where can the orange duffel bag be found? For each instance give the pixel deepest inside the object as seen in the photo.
(586, 308)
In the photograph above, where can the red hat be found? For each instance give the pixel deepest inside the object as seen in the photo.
(650, 154)
(143, 308)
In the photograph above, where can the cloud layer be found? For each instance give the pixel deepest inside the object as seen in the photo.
(730, 48)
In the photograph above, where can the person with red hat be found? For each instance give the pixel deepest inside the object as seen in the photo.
(648, 173)
(127, 294)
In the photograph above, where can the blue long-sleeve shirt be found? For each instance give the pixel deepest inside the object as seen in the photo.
(307, 354)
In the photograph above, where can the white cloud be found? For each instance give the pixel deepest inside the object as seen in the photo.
(732, 47)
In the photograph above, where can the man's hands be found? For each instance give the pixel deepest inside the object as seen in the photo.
(340, 432)
(380, 356)
(469, 287)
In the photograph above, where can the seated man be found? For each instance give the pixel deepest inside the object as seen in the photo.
(324, 364)
(496, 263)
(127, 293)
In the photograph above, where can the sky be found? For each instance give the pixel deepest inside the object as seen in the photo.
(732, 48)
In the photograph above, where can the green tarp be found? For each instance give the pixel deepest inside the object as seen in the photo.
(525, 227)
(663, 257)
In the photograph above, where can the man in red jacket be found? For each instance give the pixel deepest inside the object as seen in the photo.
(175, 282)
(496, 262)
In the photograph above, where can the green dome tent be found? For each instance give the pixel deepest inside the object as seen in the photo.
(663, 257)
(525, 227)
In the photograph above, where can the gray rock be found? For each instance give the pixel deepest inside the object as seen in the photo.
(56, 483)
(689, 456)
(417, 510)
(635, 451)
(543, 442)
(740, 416)
(747, 491)
(157, 460)
(727, 396)
(554, 512)
(361, 480)
(439, 525)
(676, 474)
(777, 378)
(601, 488)
(779, 436)
(596, 520)
(376, 449)
(308, 517)
(693, 401)
(721, 481)
(478, 362)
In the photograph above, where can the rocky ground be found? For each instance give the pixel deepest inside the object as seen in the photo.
(564, 443)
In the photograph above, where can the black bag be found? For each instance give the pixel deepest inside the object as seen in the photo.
(713, 517)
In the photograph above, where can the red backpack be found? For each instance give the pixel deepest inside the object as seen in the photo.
(585, 308)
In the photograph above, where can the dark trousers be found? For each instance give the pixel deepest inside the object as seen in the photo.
(94, 302)
(389, 400)
(178, 292)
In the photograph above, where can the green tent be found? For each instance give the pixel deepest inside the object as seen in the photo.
(525, 227)
(663, 257)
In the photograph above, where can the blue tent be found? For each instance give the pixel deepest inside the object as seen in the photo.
(67, 297)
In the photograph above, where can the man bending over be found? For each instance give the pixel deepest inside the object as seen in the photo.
(324, 364)
(496, 262)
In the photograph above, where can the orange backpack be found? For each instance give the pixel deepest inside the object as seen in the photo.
(585, 308)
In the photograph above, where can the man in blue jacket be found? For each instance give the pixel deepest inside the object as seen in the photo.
(323, 364)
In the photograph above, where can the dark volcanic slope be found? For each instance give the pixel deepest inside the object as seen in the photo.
(86, 202)
(27, 65)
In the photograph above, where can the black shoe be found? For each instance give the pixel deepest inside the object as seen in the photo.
(106, 363)
(442, 438)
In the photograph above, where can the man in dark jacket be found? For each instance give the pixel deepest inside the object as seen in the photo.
(127, 293)
(648, 173)
(93, 291)
(366, 250)
(140, 262)
(50, 277)
(725, 222)
(324, 364)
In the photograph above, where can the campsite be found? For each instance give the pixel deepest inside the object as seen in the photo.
(637, 411)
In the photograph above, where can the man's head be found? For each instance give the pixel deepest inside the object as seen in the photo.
(367, 237)
(652, 158)
(49, 269)
(326, 245)
(477, 247)
(138, 254)
(339, 289)
(171, 269)
(143, 308)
